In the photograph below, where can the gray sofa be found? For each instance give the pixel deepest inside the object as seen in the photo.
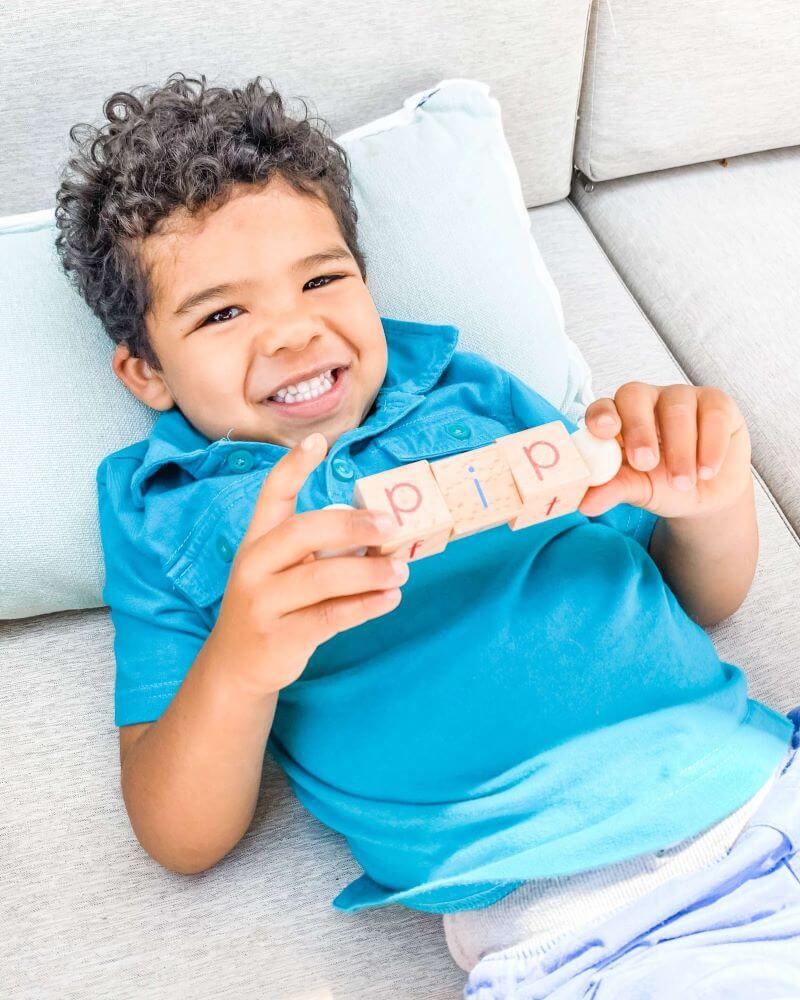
(659, 151)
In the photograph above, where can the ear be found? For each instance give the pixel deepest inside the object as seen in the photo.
(140, 379)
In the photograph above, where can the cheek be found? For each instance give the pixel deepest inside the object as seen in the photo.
(219, 371)
(383, 359)
(373, 367)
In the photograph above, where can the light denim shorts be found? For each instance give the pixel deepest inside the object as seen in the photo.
(730, 931)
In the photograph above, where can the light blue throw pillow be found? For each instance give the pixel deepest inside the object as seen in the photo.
(444, 229)
(447, 236)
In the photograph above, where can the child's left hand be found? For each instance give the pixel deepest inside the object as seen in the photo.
(690, 429)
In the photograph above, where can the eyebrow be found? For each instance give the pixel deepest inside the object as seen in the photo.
(196, 299)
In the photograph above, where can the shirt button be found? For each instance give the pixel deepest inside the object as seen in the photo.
(240, 460)
(459, 431)
(224, 548)
(342, 469)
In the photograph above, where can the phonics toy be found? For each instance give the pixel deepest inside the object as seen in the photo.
(520, 479)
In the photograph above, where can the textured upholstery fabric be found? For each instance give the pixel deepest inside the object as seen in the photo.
(710, 252)
(350, 60)
(672, 83)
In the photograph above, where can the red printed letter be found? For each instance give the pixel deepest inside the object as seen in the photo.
(398, 510)
(538, 465)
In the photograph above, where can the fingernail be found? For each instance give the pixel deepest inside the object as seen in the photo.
(706, 472)
(605, 421)
(400, 568)
(384, 522)
(682, 483)
(644, 456)
(311, 441)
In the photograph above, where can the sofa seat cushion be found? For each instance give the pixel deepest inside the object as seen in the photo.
(710, 252)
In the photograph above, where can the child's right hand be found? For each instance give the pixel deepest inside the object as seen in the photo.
(281, 602)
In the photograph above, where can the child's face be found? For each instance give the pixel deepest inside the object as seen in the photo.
(222, 357)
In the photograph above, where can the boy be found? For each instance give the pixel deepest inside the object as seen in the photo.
(539, 703)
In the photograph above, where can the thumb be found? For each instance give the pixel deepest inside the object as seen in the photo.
(277, 498)
(628, 486)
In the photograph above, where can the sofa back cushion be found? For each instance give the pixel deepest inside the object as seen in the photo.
(351, 61)
(672, 83)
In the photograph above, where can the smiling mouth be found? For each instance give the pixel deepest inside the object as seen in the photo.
(330, 381)
(316, 405)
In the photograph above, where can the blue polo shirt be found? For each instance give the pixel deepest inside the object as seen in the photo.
(538, 703)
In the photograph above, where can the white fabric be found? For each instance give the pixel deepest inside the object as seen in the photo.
(543, 911)
(677, 82)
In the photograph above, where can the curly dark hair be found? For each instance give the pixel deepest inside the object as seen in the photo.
(177, 147)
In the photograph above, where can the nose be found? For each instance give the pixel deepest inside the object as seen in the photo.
(291, 334)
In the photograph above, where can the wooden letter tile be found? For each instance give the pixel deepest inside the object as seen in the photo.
(548, 470)
(411, 495)
(479, 489)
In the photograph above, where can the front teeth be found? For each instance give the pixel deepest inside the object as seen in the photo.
(305, 390)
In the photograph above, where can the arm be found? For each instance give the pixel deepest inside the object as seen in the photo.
(709, 562)
(191, 780)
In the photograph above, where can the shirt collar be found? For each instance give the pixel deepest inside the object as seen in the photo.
(417, 354)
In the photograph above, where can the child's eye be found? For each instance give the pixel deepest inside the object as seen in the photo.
(323, 277)
(219, 312)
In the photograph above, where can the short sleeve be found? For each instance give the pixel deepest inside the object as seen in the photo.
(529, 409)
(157, 633)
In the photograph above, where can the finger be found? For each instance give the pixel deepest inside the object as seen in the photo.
(635, 402)
(297, 538)
(628, 486)
(328, 618)
(676, 412)
(277, 499)
(716, 423)
(601, 418)
(305, 585)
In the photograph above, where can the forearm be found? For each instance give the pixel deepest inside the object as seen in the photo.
(191, 781)
(709, 562)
